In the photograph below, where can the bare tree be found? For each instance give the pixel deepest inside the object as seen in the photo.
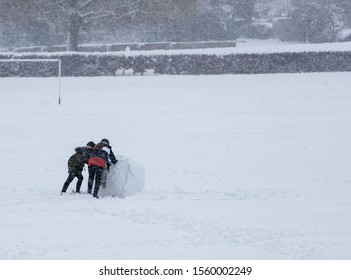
(315, 20)
(77, 15)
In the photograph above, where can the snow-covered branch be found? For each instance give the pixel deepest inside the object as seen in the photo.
(87, 3)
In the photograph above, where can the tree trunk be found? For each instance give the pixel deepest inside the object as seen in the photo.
(308, 32)
(73, 26)
(73, 35)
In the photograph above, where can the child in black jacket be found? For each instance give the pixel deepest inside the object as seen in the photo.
(76, 164)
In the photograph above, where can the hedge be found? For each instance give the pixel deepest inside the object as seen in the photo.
(111, 64)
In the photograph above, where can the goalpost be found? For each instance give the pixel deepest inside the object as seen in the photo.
(41, 60)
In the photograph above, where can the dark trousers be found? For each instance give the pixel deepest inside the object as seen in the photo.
(95, 172)
(70, 178)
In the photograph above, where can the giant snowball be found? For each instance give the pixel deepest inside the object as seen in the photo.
(125, 178)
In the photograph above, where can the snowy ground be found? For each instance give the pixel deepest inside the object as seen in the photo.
(242, 46)
(237, 167)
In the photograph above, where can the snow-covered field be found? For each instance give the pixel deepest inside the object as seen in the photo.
(242, 46)
(237, 167)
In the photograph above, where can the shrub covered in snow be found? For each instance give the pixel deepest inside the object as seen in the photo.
(78, 64)
(344, 35)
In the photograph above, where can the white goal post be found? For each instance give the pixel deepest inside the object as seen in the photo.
(41, 60)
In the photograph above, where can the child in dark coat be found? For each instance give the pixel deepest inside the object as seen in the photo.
(76, 164)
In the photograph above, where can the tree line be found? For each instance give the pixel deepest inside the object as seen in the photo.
(74, 22)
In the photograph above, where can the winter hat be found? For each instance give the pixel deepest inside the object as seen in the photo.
(105, 141)
(91, 144)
